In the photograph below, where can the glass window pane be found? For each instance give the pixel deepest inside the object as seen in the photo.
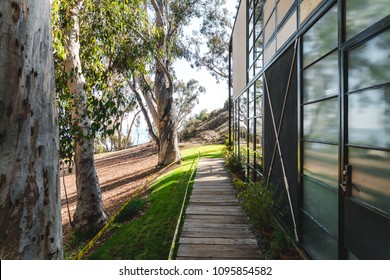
(250, 57)
(251, 157)
(317, 241)
(363, 13)
(250, 73)
(321, 79)
(322, 204)
(250, 24)
(321, 163)
(259, 107)
(259, 64)
(259, 161)
(369, 118)
(259, 45)
(321, 121)
(251, 109)
(258, 9)
(321, 38)
(259, 134)
(371, 177)
(368, 64)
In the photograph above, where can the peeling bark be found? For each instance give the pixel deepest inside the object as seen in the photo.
(30, 220)
(89, 216)
(163, 89)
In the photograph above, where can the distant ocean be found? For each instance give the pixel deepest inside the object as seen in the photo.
(140, 137)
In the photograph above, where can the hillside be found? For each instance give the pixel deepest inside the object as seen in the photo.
(210, 128)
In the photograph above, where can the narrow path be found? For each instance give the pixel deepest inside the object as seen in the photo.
(214, 227)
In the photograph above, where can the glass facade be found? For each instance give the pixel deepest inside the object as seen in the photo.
(334, 129)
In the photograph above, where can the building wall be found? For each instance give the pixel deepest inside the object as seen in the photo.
(240, 50)
(319, 70)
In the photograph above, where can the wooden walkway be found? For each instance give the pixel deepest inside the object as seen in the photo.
(214, 227)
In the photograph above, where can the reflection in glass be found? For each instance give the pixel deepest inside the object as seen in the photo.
(316, 240)
(322, 204)
(258, 28)
(258, 9)
(251, 109)
(320, 121)
(371, 177)
(368, 64)
(259, 161)
(369, 118)
(321, 79)
(321, 38)
(321, 163)
(363, 13)
(251, 132)
(251, 157)
(259, 132)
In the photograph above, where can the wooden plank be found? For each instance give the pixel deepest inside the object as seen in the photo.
(198, 224)
(217, 233)
(214, 226)
(212, 208)
(216, 241)
(220, 213)
(217, 203)
(222, 219)
(219, 251)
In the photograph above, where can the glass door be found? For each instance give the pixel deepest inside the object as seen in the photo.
(365, 175)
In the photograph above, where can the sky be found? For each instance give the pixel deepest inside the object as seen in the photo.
(216, 93)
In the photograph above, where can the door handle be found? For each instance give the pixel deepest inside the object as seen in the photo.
(346, 184)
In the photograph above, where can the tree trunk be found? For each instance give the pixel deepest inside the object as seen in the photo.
(30, 202)
(167, 129)
(89, 216)
(163, 88)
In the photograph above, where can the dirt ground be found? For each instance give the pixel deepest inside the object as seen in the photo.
(120, 174)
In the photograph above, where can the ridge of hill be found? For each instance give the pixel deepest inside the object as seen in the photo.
(211, 128)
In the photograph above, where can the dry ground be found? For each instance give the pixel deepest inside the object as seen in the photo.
(120, 174)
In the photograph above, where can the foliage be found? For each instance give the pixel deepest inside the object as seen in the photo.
(279, 241)
(233, 162)
(186, 97)
(209, 46)
(259, 203)
(106, 26)
(150, 235)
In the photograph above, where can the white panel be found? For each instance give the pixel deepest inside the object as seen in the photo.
(239, 51)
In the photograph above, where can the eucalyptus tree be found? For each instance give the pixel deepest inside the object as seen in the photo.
(209, 45)
(88, 39)
(30, 220)
(185, 98)
(156, 87)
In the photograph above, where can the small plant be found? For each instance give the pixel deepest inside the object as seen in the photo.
(258, 204)
(233, 162)
(279, 242)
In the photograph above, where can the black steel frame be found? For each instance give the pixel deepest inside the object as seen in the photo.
(343, 48)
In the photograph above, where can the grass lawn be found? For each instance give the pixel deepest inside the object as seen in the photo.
(149, 236)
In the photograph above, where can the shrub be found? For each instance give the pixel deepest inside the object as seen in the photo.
(233, 162)
(258, 204)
